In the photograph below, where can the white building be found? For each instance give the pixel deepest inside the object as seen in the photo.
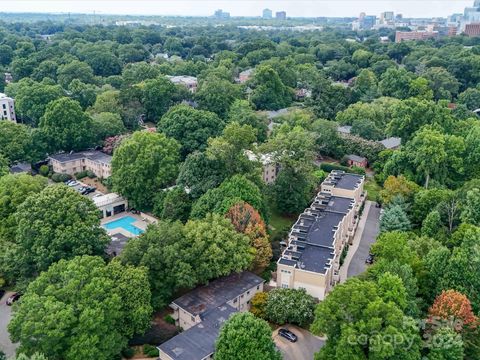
(7, 108)
(110, 204)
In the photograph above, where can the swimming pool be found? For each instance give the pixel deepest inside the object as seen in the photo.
(125, 223)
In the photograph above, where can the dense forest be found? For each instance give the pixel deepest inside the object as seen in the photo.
(89, 86)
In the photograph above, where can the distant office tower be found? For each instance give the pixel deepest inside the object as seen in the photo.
(368, 22)
(267, 14)
(280, 15)
(7, 109)
(386, 16)
(472, 29)
(220, 14)
(362, 16)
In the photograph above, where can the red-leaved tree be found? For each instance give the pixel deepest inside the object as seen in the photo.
(455, 308)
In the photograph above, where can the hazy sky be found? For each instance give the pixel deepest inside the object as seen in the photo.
(409, 8)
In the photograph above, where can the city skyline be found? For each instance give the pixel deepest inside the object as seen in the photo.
(250, 8)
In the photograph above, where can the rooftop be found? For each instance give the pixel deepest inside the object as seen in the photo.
(356, 158)
(94, 155)
(117, 244)
(333, 203)
(217, 292)
(344, 129)
(20, 168)
(107, 199)
(198, 342)
(391, 142)
(317, 228)
(183, 79)
(342, 180)
(4, 96)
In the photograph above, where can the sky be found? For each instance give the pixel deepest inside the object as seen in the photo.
(294, 8)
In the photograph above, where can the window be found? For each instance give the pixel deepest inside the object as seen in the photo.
(285, 286)
(193, 319)
(258, 287)
(235, 300)
(248, 292)
(242, 296)
(4, 106)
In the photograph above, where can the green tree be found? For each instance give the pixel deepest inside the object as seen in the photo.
(57, 223)
(231, 191)
(432, 224)
(144, 164)
(443, 84)
(36, 356)
(242, 112)
(290, 306)
(358, 324)
(199, 173)
(65, 126)
(176, 205)
(4, 168)
(107, 101)
(471, 208)
(74, 70)
(293, 191)
(472, 151)
(217, 95)
(395, 83)
(15, 141)
(365, 86)
(107, 124)
(157, 96)
(420, 89)
(471, 98)
(445, 344)
(245, 337)
(268, 90)
(89, 303)
(192, 128)
(14, 189)
(85, 94)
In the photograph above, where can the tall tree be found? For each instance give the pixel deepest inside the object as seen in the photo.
(157, 96)
(471, 208)
(15, 141)
(268, 90)
(241, 111)
(82, 309)
(394, 219)
(290, 306)
(144, 164)
(244, 337)
(217, 95)
(65, 126)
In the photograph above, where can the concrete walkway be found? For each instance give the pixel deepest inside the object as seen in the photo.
(356, 242)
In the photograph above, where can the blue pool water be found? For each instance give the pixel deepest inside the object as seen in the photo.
(124, 223)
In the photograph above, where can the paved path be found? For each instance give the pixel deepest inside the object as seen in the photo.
(5, 315)
(369, 234)
(304, 349)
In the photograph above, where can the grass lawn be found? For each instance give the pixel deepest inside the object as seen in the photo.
(279, 223)
(373, 189)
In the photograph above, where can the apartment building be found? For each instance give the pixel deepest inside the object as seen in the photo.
(72, 163)
(270, 168)
(7, 108)
(311, 259)
(415, 35)
(190, 82)
(201, 312)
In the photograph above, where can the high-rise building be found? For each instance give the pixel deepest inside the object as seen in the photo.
(267, 14)
(220, 14)
(368, 22)
(7, 108)
(281, 15)
(386, 17)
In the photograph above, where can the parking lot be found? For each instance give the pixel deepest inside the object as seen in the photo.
(305, 347)
(5, 315)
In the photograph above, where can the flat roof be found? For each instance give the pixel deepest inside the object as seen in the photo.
(341, 179)
(316, 259)
(333, 203)
(198, 342)
(391, 142)
(318, 229)
(107, 199)
(117, 244)
(356, 158)
(217, 292)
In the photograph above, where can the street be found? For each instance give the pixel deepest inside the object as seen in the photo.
(357, 264)
(304, 349)
(5, 314)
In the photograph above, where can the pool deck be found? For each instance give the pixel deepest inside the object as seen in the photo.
(142, 222)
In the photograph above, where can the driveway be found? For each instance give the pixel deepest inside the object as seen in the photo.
(370, 232)
(303, 349)
(5, 314)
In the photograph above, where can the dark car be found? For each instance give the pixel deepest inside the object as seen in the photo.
(2, 292)
(13, 298)
(370, 258)
(287, 334)
(88, 190)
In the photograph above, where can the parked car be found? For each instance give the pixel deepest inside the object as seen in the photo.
(287, 334)
(370, 259)
(73, 183)
(2, 292)
(13, 298)
(89, 189)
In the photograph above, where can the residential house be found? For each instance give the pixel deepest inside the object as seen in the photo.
(355, 160)
(71, 163)
(202, 311)
(21, 168)
(190, 82)
(270, 168)
(245, 75)
(311, 259)
(346, 129)
(7, 108)
(391, 143)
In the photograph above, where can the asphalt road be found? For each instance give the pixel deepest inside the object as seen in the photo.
(304, 349)
(5, 314)
(370, 232)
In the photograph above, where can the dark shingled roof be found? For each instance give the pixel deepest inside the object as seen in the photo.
(217, 292)
(348, 181)
(198, 342)
(333, 203)
(356, 158)
(117, 244)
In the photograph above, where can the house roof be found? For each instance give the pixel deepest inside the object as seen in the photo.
(391, 142)
(346, 129)
(94, 155)
(117, 244)
(217, 292)
(342, 180)
(356, 158)
(198, 342)
(20, 168)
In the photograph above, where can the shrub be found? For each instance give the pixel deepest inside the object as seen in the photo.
(81, 174)
(128, 352)
(44, 170)
(290, 306)
(60, 177)
(169, 319)
(150, 351)
(259, 302)
(91, 174)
